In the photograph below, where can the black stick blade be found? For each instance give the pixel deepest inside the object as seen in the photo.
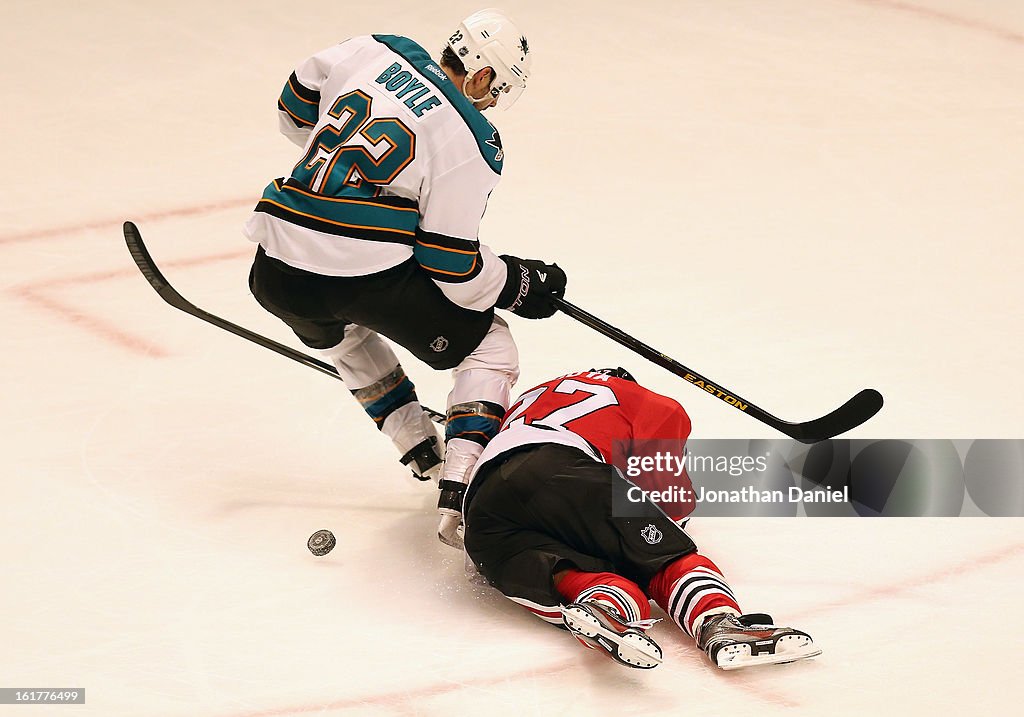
(848, 416)
(143, 260)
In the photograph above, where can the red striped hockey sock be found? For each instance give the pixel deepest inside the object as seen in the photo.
(614, 591)
(689, 589)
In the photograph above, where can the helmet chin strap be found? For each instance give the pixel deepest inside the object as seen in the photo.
(465, 88)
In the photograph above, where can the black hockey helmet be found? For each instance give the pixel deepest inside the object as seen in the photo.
(616, 372)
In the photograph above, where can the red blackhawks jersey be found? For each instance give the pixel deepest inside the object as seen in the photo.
(590, 411)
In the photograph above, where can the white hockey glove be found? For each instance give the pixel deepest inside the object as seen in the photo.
(450, 529)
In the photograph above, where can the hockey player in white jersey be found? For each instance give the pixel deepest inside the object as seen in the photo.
(374, 233)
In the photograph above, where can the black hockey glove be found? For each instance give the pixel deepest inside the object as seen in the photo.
(530, 286)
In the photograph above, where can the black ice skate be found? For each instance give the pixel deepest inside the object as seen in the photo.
(598, 627)
(733, 642)
(424, 459)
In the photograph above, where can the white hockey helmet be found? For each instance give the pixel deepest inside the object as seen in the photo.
(488, 38)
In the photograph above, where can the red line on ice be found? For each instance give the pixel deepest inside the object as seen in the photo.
(94, 324)
(110, 223)
(965, 22)
(968, 565)
(39, 294)
(398, 699)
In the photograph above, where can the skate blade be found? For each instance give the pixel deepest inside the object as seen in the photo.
(788, 648)
(633, 649)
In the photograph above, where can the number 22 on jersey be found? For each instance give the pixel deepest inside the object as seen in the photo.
(334, 166)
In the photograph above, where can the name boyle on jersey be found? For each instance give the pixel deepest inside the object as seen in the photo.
(407, 88)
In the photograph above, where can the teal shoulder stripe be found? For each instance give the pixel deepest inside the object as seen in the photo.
(487, 139)
(302, 110)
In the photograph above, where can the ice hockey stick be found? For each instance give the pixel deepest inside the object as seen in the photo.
(850, 415)
(148, 267)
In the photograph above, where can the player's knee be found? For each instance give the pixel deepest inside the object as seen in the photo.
(362, 358)
(496, 352)
(356, 337)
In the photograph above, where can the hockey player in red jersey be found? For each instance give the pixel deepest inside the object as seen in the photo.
(539, 525)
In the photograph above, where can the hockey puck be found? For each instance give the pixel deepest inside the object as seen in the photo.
(321, 542)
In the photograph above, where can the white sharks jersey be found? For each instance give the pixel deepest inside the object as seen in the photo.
(397, 164)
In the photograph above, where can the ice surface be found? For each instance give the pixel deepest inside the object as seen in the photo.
(797, 199)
